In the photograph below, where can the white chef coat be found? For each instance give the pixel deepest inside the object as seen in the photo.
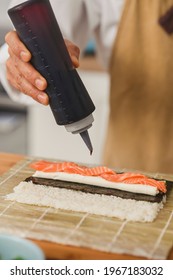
(79, 21)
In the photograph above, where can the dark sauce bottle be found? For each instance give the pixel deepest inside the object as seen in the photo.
(37, 27)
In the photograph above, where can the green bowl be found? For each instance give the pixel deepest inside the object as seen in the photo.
(16, 248)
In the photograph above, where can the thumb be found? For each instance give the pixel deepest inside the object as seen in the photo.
(74, 52)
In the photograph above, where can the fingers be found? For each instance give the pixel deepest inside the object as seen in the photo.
(20, 73)
(17, 80)
(29, 72)
(17, 47)
(74, 52)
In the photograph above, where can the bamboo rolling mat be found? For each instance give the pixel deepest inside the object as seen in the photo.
(150, 240)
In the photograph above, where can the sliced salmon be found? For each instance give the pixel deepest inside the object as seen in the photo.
(47, 166)
(100, 171)
(97, 171)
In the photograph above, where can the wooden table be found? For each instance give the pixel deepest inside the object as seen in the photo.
(65, 252)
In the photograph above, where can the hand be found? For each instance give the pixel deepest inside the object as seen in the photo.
(22, 75)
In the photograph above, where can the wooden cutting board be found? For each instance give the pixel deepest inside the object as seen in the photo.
(54, 250)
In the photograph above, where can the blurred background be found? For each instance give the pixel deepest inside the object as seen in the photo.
(32, 130)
